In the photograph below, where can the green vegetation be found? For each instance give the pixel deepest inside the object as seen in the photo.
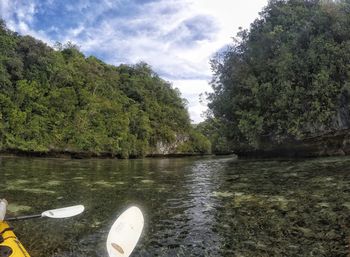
(213, 129)
(60, 100)
(286, 78)
(196, 143)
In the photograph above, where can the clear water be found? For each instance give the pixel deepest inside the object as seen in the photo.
(192, 207)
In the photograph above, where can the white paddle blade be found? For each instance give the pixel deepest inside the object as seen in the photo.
(125, 233)
(3, 206)
(64, 212)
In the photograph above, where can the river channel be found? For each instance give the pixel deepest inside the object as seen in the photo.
(192, 206)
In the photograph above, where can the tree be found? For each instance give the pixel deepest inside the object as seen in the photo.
(59, 100)
(283, 79)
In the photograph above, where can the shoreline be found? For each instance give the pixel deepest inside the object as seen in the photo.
(91, 155)
(334, 143)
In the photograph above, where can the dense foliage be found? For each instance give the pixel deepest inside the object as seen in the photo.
(214, 131)
(197, 143)
(59, 100)
(288, 77)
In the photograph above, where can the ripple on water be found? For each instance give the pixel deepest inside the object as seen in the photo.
(53, 183)
(243, 208)
(106, 184)
(326, 205)
(30, 190)
(78, 178)
(147, 181)
(347, 205)
(222, 194)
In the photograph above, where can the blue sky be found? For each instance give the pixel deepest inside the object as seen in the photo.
(176, 37)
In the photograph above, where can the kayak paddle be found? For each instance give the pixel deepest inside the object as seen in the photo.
(125, 232)
(55, 214)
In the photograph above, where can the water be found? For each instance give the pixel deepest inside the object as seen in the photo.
(192, 207)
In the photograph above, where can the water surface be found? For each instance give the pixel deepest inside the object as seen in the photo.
(192, 207)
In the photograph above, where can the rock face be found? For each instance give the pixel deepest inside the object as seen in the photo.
(329, 144)
(164, 148)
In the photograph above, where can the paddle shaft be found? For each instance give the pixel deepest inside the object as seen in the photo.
(24, 217)
(56, 213)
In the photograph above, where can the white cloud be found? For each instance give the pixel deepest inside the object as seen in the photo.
(19, 17)
(176, 37)
(5, 9)
(191, 89)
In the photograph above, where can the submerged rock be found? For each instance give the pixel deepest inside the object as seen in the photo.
(17, 208)
(222, 194)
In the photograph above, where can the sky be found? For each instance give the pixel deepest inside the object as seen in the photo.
(176, 37)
